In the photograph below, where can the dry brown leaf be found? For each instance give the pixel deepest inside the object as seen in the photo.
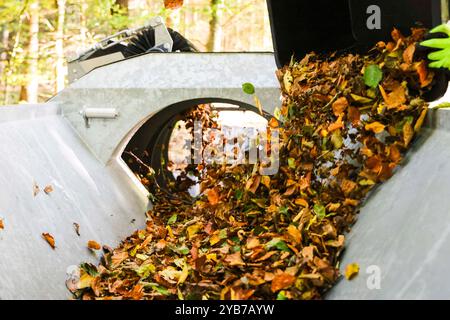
(253, 183)
(48, 189)
(408, 54)
(50, 239)
(295, 234)
(213, 196)
(420, 121)
(375, 127)
(425, 77)
(2, 224)
(354, 115)
(273, 123)
(36, 189)
(234, 259)
(252, 243)
(93, 245)
(282, 281)
(339, 106)
(348, 186)
(408, 133)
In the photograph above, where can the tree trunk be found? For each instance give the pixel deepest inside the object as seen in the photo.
(215, 28)
(4, 50)
(445, 11)
(59, 47)
(83, 23)
(33, 53)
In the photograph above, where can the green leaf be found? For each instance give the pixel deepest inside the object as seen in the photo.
(90, 269)
(248, 88)
(337, 140)
(161, 290)
(291, 163)
(443, 105)
(223, 234)
(183, 250)
(320, 211)
(284, 210)
(373, 75)
(145, 270)
(277, 243)
(238, 194)
(282, 296)
(172, 219)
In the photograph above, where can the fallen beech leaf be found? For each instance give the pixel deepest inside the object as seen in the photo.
(354, 116)
(375, 127)
(265, 180)
(282, 281)
(420, 121)
(295, 234)
(93, 245)
(339, 106)
(50, 240)
(396, 98)
(234, 259)
(36, 189)
(252, 243)
(408, 133)
(351, 271)
(424, 77)
(408, 54)
(213, 196)
(48, 189)
(301, 202)
(193, 230)
(253, 183)
(348, 186)
(273, 123)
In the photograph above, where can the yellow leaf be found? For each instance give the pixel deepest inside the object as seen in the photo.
(301, 202)
(215, 238)
(287, 81)
(170, 232)
(265, 180)
(420, 121)
(85, 280)
(212, 257)
(184, 274)
(351, 271)
(295, 234)
(258, 105)
(375, 127)
(193, 230)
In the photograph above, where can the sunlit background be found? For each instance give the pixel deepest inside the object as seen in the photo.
(38, 35)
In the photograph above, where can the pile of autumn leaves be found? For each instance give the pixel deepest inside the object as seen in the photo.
(345, 123)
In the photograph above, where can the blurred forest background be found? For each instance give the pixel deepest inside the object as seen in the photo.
(36, 36)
